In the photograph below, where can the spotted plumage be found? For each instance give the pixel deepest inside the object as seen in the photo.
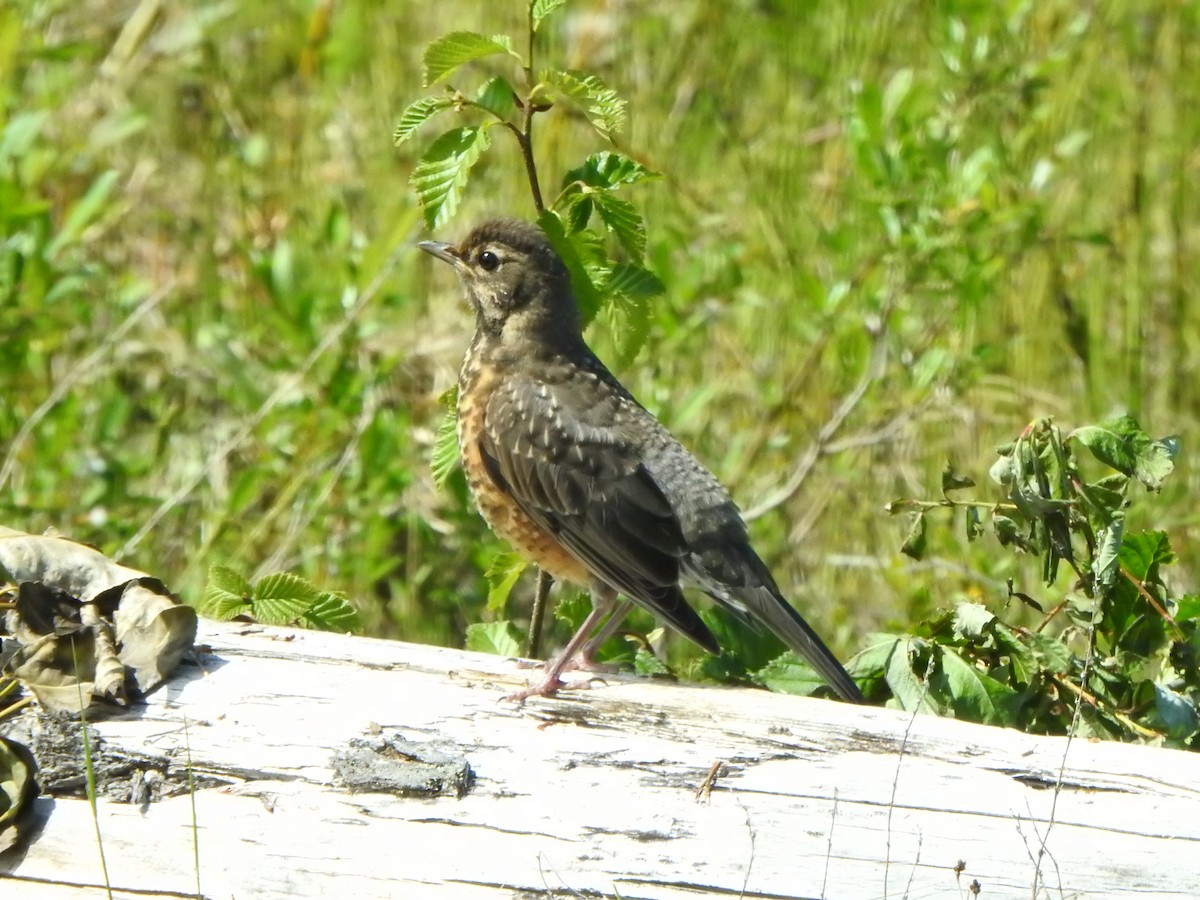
(569, 468)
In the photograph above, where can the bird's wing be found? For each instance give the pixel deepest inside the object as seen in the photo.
(583, 481)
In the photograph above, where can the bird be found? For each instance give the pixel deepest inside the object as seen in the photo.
(581, 479)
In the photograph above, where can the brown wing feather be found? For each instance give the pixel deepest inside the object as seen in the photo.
(585, 484)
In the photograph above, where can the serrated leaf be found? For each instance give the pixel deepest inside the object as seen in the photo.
(646, 663)
(602, 105)
(500, 638)
(333, 612)
(417, 114)
(1121, 444)
(573, 609)
(226, 594)
(633, 281)
(609, 169)
(579, 212)
(629, 324)
(442, 174)
(623, 219)
(568, 249)
(282, 598)
(229, 581)
(445, 456)
(450, 51)
(496, 95)
(542, 8)
(502, 575)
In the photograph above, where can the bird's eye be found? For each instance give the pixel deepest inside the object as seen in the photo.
(488, 260)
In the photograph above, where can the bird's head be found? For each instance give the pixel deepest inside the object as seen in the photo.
(515, 282)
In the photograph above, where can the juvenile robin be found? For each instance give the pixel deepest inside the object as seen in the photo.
(570, 469)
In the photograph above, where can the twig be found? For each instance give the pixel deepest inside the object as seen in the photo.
(872, 373)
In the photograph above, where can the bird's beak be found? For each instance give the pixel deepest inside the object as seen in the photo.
(442, 251)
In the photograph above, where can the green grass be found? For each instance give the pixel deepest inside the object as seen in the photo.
(997, 199)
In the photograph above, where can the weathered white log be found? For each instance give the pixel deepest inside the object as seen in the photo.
(594, 793)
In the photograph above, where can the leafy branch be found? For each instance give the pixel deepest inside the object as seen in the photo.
(1119, 648)
(622, 286)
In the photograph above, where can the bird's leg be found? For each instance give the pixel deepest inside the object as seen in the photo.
(578, 654)
(585, 660)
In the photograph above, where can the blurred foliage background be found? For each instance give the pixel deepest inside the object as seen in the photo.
(922, 223)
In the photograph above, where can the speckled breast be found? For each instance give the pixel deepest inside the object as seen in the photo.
(498, 509)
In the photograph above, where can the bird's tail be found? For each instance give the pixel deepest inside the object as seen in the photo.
(769, 607)
(745, 585)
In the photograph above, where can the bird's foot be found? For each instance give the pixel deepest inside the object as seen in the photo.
(553, 682)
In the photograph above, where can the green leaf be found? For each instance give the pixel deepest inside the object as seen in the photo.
(1108, 550)
(788, 674)
(1187, 608)
(441, 176)
(83, 212)
(1009, 533)
(1121, 444)
(497, 96)
(914, 542)
(333, 612)
(502, 575)
(447, 53)
(417, 114)
(568, 248)
(952, 481)
(1050, 653)
(872, 660)
(283, 598)
(226, 594)
(500, 638)
(629, 323)
(633, 281)
(1143, 553)
(600, 103)
(608, 169)
(972, 692)
(542, 8)
(573, 609)
(646, 663)
(1176, 712)
(623, 219)
(972, 619)
(974, 524)
(1020, 658)
(906, 685)
(445, 457)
